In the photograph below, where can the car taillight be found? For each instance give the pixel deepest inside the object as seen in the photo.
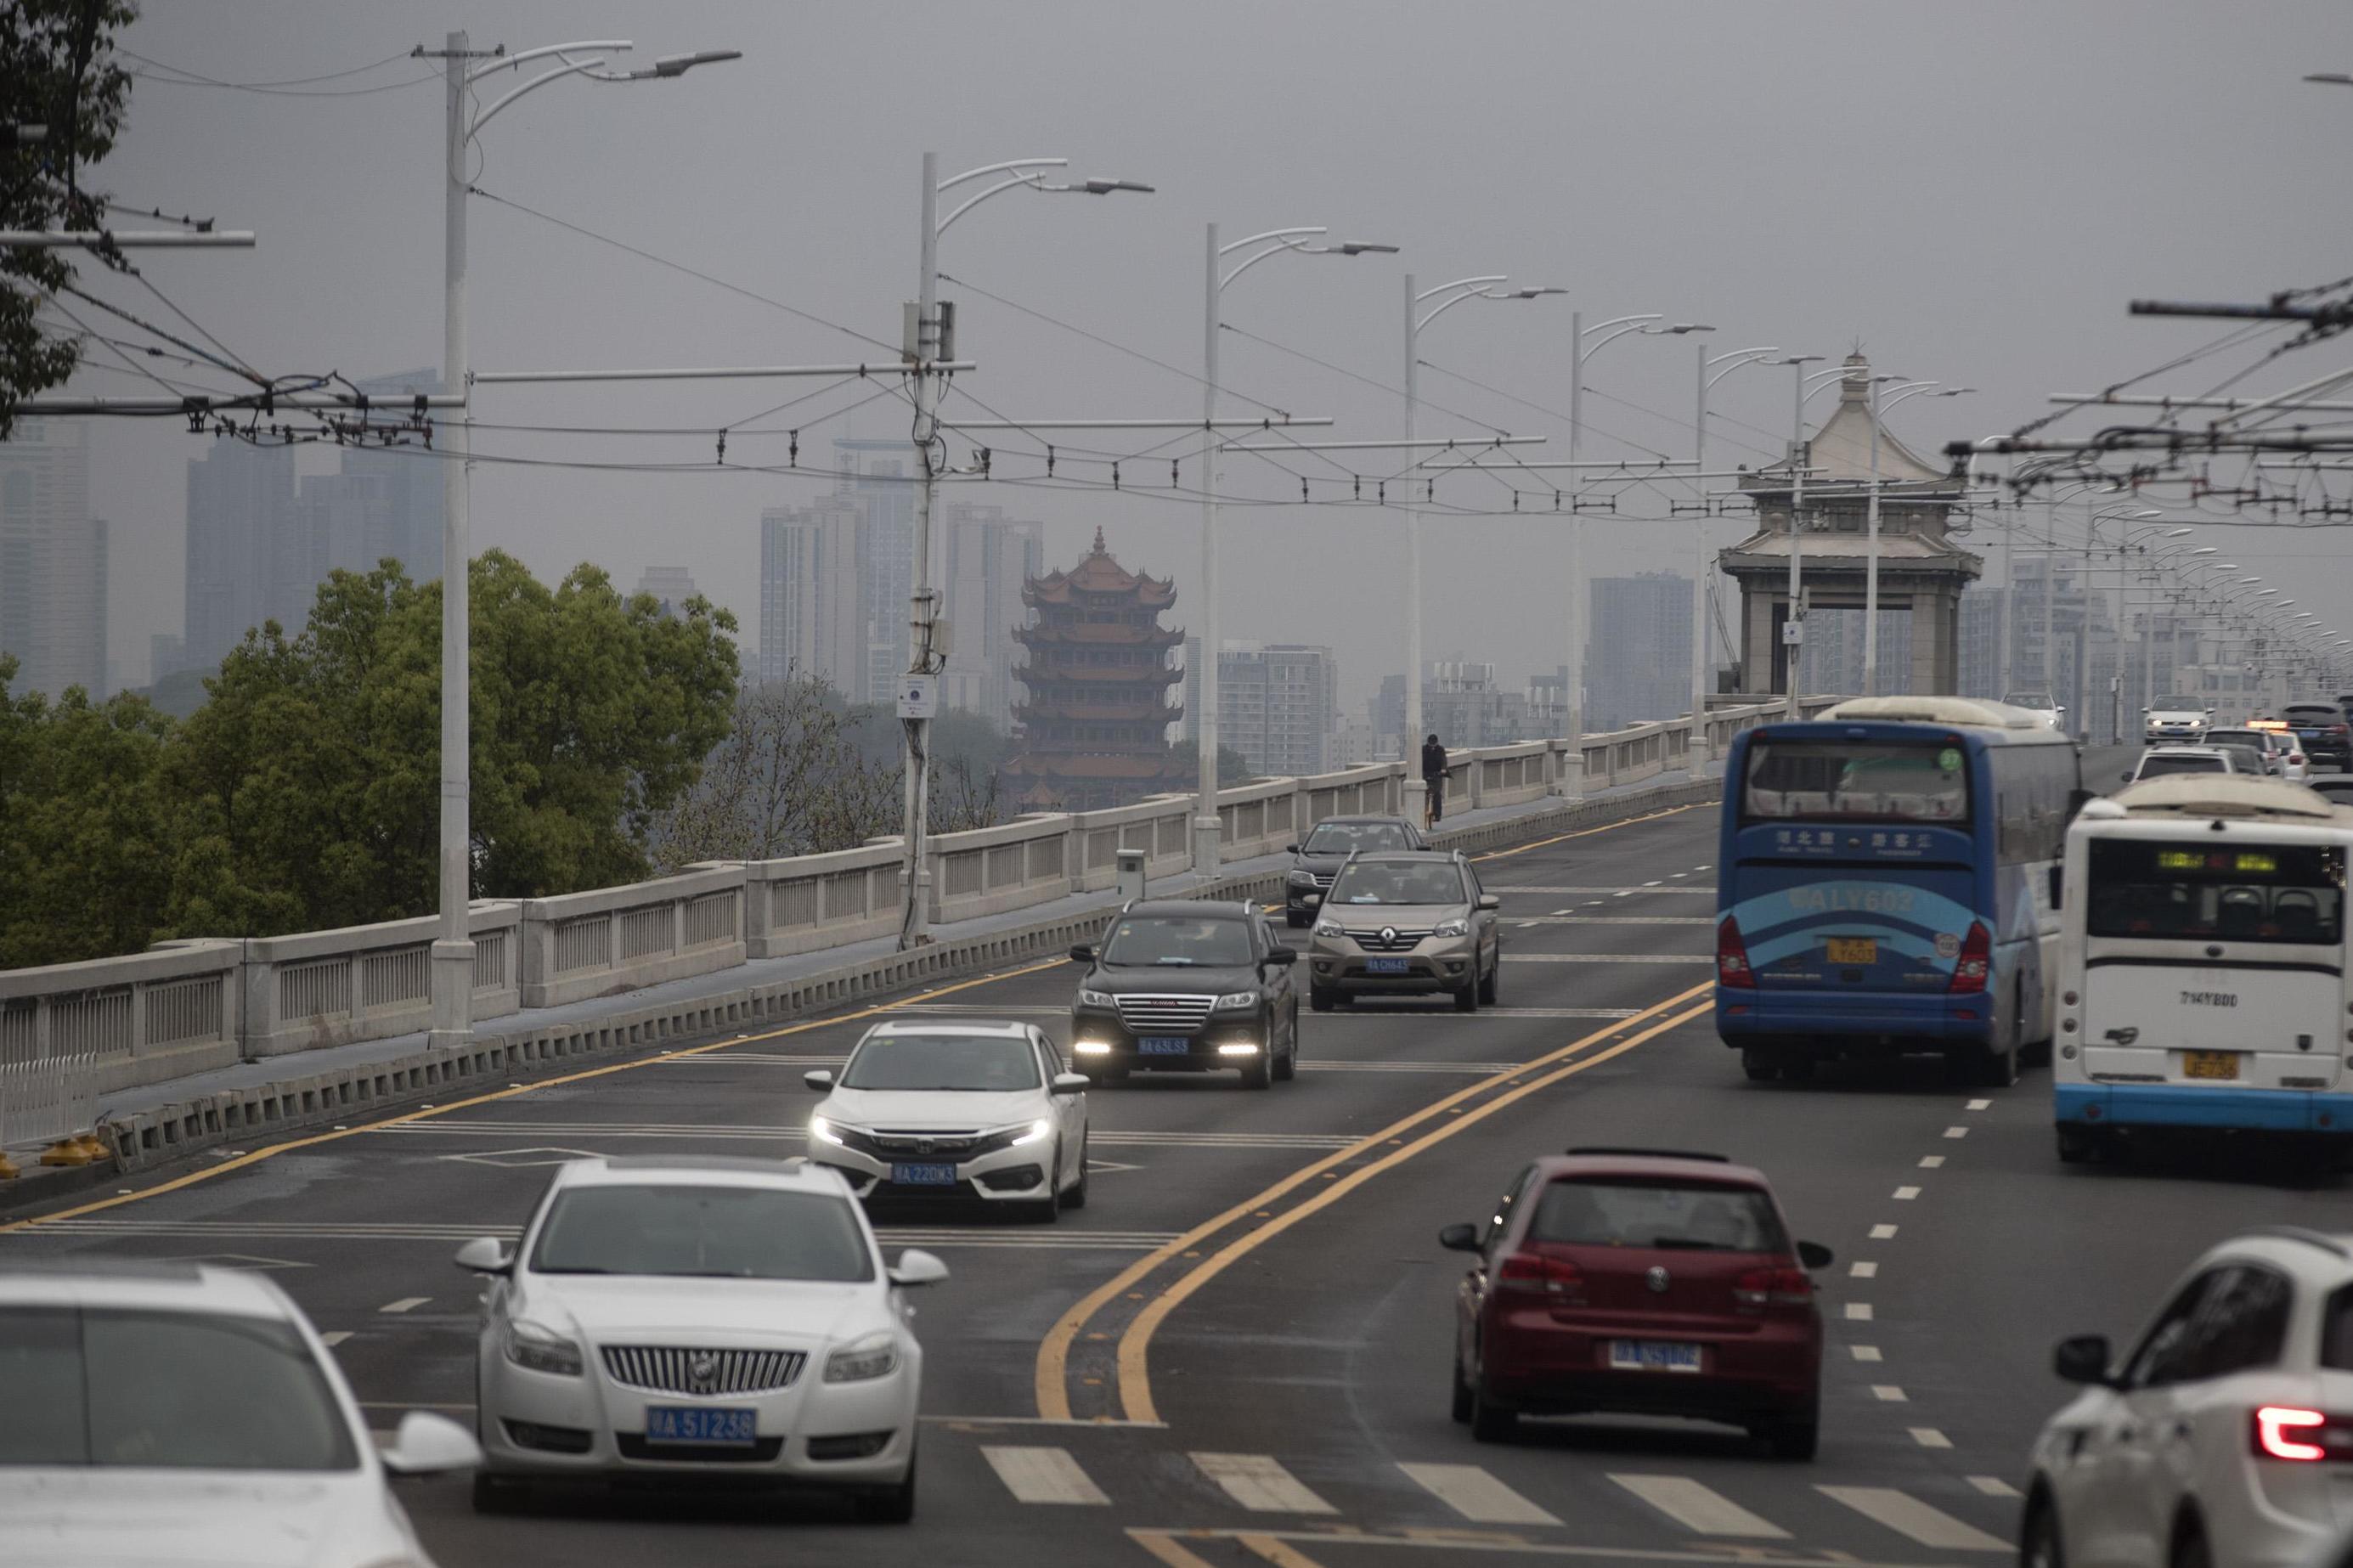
(2289, 1432)
(1732, 957)
(1529, 1274)
(1781, 1287)
(1976, 960)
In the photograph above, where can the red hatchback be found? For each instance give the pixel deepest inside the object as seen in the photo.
(1647, 1282)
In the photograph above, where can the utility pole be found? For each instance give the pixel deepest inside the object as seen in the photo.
(927, 349)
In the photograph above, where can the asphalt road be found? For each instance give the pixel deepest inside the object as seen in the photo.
(1237, 1353)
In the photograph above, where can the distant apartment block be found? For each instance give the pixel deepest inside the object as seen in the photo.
(53, 559)
(1278, 704)
(1463, 705)
(1638, 649)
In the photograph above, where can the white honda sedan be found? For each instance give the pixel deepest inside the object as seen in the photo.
(698, 1317)
(174, 1412)
(978, 1110)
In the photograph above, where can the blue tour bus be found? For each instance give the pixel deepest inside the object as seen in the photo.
(1884, 886)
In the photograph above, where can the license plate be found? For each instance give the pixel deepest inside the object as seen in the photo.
(696, 1424)
(1387, 966)
(2307, 735)
(1854, 950)
(1652, 1356)
(1165, 1046)
(922, 1175)
(2209, 1064)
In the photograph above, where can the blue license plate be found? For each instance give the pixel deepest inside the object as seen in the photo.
(1387, 966)
(1164, 1045)
(914, 1175)
(694, 1424)
(1652, 1356)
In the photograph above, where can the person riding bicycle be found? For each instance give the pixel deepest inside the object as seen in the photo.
(1433, 778)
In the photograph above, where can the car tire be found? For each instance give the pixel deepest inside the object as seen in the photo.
(1466, 996)
(2189, 1548)
(1049, 1209)
(2039, 1543)
(1761, 1065)
(1462, 1401)
(500, 1494)
(1286, 1066)
(1494, 982)
(1795, 1438)
(1491, 1420)
(891, 1505)
(1076, 1198)
(1322, 998)
(1260, 1073)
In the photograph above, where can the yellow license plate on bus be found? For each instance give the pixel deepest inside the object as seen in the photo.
(1854, 950)
(2209, 1064)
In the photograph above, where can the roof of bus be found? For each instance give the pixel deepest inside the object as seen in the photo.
(1973, 712)
(2215, 795)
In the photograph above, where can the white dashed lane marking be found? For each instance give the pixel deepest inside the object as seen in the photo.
(1888, 1394)
(406, 1304)
(1260, 1483)
(1042, 1475)
(1929, 1438)
(1981, 1105)
(1476, 1495)
(1698, 1509)
(1956, 1132)
(1857, 1312)
(332, 1339)
(1932, 1162)
(1908, 1516)
(1863, 1269)
(1863, 1352)
(1905, 1195)
(1883, 1233)
(1993, 1486)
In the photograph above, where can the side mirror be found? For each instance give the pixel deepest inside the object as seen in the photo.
(1459, 1238)
(1070, 1083)
(484, 1254)
(1283, 957)
(1490, 901)
(2058, 885)
(430, 1445)
(1814, 1255)
(917, 1268)
(821, 1081)
(2083, 1359)
(1082, 952)
(1291, 849)
(2126, 775)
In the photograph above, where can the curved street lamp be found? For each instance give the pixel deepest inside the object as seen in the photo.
(1701, 571)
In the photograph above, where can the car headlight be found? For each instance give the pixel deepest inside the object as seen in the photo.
(1027, 1132)
(1303, 878)
(538, 1348)
(876, 1356)
(1235, 1002)
(826, 1131)
(1459, 926)
(1093, 998)
(1329, 928)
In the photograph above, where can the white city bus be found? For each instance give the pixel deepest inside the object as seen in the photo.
(2202, 963)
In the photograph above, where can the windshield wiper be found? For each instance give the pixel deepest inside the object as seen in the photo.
(583, 1269)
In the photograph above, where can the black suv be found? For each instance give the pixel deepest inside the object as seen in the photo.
(2322, 727)
(1187, 985)
(1314, 863)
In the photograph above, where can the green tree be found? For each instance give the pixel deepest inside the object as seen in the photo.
(56, 71)
(83, 868)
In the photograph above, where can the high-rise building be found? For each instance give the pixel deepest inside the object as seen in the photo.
(984, 559)
(408, 528)
(1278, 704)
(1637, 651)
(812, 614)
(242, 554)
(875, 479)
(1833, 662)
(52, 560)
(1982, 609)
(1463, 705)
(1388, 712)
(167, 654)
(671, 587)
(341, 523)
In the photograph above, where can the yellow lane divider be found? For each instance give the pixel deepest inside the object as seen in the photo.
(1051, 1378)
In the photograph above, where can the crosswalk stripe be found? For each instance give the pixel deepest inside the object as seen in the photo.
(1260, 1483)
(1608, 958)
(1908, 1516)
(1476, 1495)
(1698, 1509)
(1042, 1475)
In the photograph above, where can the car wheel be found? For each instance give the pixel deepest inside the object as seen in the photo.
(1049, 1209)
(2189, 1548)
(1258, 1074)
(891, 1505)
(1462, 1392)
(1494, 982)
(1491, 1421)
(1761, 1065)
(1322, 998)
(2038, 1545)
(1076, 1198)
(500, 1494)
(1466, 998)
(1794, 1436)
(1286, 1066)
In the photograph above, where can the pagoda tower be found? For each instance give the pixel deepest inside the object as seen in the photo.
(1093, 730)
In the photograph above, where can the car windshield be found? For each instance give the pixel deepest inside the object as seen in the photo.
(1340, 837)
(2246, 893)
(1399, 882)
(196, 1391)
(2153, 767)
(1182, 941)
(683, 1232)
(2314, 715)
(1687, 1215)
(1878, 781)
(2176, 705)
(984, 1063)
(2029, 700)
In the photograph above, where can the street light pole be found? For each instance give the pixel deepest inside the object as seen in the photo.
(1797, 462)
(1698, 754)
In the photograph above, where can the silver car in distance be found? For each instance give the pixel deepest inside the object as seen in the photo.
(684, 1318)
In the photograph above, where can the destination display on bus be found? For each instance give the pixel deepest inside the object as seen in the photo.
(2261, 893)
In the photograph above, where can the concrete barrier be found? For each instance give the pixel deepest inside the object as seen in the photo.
(139, 1019)
(813, 902)
(617, 939)
(368, 983)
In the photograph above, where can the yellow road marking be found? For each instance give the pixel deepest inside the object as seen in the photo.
(1053, 1352)
(1281, 1553)
(1136, 1343)
(256, 1156)
(1163, 1547)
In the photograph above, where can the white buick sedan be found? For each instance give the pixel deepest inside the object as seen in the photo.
(168, 1413)
(942, 1109)
(670, 1318)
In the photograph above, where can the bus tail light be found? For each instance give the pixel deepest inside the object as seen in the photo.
(1732, 957)
(1975, 962)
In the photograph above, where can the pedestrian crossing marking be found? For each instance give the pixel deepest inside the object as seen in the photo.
(1908, 1516)
(1476, 1495)
(1043, 1475)
(1260, 1483)
(1699, 1509)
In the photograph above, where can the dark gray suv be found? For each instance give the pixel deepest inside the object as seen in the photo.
(1315, 861)
(1187, 985)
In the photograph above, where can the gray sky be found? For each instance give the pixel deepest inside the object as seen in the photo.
(1973, 191)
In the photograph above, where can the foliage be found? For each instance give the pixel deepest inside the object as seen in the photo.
(1232, 768)
(56, 71)
(179, 694)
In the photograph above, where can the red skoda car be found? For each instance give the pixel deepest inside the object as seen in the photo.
(1640, 1281)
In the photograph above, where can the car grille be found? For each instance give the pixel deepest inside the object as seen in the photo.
(1147, 1014)
(1398, 940)
(660, 1369)
(1322, 879)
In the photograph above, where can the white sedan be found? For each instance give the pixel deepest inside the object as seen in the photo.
(985, 1110)
(694, 1316)
(173, 1413)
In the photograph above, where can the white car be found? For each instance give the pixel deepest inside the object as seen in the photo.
(940, 1109)
(173, 1413)
(2295, 766)
(666, 1319)
(2219, 1441)
(2051, 712)
(2182, 719)
(2160, 760)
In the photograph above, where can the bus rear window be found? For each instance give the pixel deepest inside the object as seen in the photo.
(2237, 892)
(1855, 781)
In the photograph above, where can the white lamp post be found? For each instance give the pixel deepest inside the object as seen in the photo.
(462, 67)
(1209, 836)
(1699, 757)
(1797, 461)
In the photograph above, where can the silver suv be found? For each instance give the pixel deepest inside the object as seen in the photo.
(1406, 921)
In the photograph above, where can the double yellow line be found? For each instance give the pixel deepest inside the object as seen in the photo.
(1052, 1372)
